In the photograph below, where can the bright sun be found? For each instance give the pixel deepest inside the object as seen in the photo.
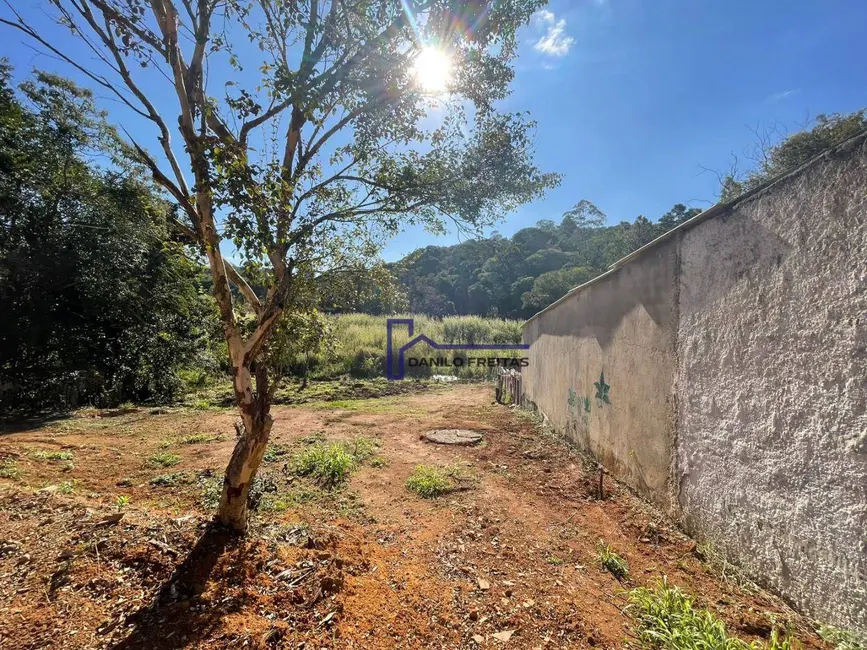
(433, 70)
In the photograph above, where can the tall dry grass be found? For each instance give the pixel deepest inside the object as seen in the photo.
(360, 344)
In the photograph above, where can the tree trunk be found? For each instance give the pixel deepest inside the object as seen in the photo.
(249, 449)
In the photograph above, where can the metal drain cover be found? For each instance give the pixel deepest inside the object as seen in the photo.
(452, 437)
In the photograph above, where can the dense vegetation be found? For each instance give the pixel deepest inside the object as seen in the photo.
(516, 277)
(98, 305)
(357, 344)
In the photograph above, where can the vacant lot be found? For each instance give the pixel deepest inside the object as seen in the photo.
(508, 556)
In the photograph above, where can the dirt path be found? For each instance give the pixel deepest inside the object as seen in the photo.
(369, 566)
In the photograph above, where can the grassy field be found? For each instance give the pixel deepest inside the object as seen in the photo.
(359, 348)
(353, 365)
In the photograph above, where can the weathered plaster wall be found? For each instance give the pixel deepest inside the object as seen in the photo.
(623, 327)
(772, 386)
(736, 355)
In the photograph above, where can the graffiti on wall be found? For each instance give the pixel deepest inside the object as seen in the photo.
(602, 390)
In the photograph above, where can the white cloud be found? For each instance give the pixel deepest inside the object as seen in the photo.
(776, 97)
(555, 41)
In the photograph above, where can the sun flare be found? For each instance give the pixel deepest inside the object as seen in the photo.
(433, 70)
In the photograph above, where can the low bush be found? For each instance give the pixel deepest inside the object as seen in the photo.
(329, 465)
(165, 459)
(667, 619)
(429, 482)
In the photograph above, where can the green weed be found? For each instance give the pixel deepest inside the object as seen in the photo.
(165, 459)
(273, 453)
(211, 489)
(430, 482)
(9, 469)
(313, 438)
(199, 438)
(611, 562)
(329, 465)
(52, 455)
(667, 619)
(842, 639)
(168, 480)
(67, 487)
(121, 502)
(361, 448)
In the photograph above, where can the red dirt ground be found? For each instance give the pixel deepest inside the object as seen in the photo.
(369, 566)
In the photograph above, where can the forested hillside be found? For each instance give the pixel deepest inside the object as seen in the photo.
(516, 277)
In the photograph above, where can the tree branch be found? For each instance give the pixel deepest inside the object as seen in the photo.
(245, 289)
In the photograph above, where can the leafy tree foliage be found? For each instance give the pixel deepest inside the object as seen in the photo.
(516, 277)
(97, 308)
(794, 151)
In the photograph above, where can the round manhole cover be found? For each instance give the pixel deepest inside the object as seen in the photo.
(453, 437)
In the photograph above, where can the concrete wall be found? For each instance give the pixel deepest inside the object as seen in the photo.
(620, 330)
(736, 352)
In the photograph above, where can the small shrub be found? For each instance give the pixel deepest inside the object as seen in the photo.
(167, 480)
(52, 455)
(842, 639)
(666, 618)
(378, 461)
(429, 482)
(201, 405)
(165, 459)
(198, 438)
(613, 563)
(9, 469)
(329, 465)
(121, 502)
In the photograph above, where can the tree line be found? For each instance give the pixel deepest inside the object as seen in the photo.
(99, 305)
(514, 277)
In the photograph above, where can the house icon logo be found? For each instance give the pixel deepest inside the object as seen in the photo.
(395, 368)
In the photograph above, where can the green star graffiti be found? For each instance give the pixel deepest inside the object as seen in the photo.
(602, 389)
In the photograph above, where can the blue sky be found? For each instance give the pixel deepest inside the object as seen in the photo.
(646, 93)
(633, 97)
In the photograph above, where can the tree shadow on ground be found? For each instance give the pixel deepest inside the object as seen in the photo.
(172, 619)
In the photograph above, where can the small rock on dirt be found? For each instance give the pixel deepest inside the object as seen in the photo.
(504, 636)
